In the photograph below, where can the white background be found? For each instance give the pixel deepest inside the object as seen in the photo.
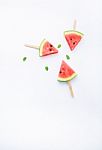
(36, 111)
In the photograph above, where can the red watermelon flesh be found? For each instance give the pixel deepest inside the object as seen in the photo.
(73, 38)
(66, 73)
(46, 48)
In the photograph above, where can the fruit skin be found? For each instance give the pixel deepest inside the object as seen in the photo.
(73, 31)
(41, 47)
(45, 46)
(73, 38)
(67, 79)
(66, 73)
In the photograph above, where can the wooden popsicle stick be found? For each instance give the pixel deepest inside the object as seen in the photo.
(32, 46)
(74, 24)
(70, 88)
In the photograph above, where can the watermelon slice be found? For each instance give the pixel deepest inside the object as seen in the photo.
(46, 48)
(73, 38)
(66, 73)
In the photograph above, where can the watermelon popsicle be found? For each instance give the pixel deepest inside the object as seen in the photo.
(45, 48)
(66, 74)
(73, 37)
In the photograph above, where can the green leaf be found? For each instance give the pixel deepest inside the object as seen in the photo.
(46, 68)
(59, 45)
(24, 58)
(67, 57)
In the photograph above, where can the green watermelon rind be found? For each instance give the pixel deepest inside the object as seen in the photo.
(41, 47)
(67, 79)
(73, 31)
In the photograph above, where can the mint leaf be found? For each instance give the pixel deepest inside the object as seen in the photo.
(67, 57)
(46, 68)
(59, 45)
(24, 58)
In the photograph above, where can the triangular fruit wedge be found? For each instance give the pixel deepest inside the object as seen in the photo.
(73, 38)
(46, 48)
(66, 73)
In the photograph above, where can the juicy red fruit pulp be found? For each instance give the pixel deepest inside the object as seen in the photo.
(48, 49)
(65, 71)
(72, 40)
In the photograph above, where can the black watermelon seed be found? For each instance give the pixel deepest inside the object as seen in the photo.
(51, 45)
(50, 49)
